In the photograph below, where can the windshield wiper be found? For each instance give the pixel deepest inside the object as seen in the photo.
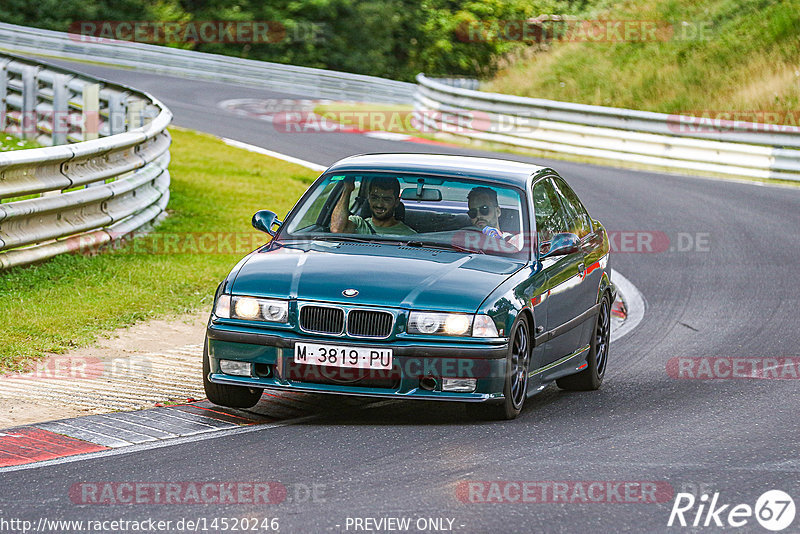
(352, 239)
(443, 246)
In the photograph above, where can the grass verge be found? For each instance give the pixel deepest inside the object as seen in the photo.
(721, 55)
(9, 142)
(72, 299)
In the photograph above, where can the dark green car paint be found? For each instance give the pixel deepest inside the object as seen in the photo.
(552, 291)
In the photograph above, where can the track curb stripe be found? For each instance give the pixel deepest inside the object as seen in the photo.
(26, 445)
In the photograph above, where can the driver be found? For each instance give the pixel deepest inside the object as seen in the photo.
(484, 213)
(384, 196)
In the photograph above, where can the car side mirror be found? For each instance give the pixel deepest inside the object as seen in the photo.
(264, 220)
(563, 244)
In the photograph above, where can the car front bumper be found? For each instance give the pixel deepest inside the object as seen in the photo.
(271, 354)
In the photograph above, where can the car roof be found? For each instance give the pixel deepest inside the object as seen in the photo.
(499, 170)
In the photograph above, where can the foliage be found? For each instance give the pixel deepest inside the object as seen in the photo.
(736, 55)
(389, 38)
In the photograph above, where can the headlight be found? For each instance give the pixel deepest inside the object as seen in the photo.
(246, 308)
(449, 324)
(252, 309)
(457, 325)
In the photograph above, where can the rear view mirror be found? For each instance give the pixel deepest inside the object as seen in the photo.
(427, 195)
(264, 220)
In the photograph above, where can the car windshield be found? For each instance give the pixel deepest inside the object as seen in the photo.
(417, 210)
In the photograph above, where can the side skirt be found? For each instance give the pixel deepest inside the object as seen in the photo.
(567, 365)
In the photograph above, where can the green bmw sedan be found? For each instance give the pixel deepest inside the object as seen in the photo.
(418, 276)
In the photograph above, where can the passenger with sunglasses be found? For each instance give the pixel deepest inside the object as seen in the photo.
(384, 196)
(484, 212)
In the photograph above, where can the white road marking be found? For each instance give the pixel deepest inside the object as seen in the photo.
(389, 136)
(277, 155)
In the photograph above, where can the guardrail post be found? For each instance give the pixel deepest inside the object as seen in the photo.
(3, 94)
(91, 117)
(91, 111)
(116, 113)
(135, 114)
(29, 95)
(60, 109)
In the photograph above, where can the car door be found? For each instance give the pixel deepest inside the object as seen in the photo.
(580, 224)
(565, 298)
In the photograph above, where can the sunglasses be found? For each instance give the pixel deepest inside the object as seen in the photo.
(485, 210)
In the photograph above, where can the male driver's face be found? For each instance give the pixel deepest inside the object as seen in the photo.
(382, 203)
(482, 203)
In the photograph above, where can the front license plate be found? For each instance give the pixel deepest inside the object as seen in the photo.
(342, 356)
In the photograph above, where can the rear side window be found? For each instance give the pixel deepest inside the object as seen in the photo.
(578, 221)
(548, 211)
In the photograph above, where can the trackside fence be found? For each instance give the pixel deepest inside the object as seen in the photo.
(101, 174)
(671, 141)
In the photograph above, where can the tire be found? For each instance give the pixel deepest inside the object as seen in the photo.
(225, 395)
(515, 387)
(591, 378)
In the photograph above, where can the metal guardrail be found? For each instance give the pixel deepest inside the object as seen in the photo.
(622, 135)
(294, 80)
(111, 181)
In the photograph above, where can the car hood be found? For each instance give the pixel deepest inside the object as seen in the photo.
(383, 274)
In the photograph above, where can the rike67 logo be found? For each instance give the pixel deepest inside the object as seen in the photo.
(774, 510)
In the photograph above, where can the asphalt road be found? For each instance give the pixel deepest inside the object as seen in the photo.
(733, 296)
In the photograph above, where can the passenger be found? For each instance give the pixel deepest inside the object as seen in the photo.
(384, 196)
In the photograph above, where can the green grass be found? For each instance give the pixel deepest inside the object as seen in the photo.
(72, 299)
(748, 61)
(10, 142)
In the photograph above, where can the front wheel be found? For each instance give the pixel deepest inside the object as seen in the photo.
(225, 395)
(592, 377)
(515, 388)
